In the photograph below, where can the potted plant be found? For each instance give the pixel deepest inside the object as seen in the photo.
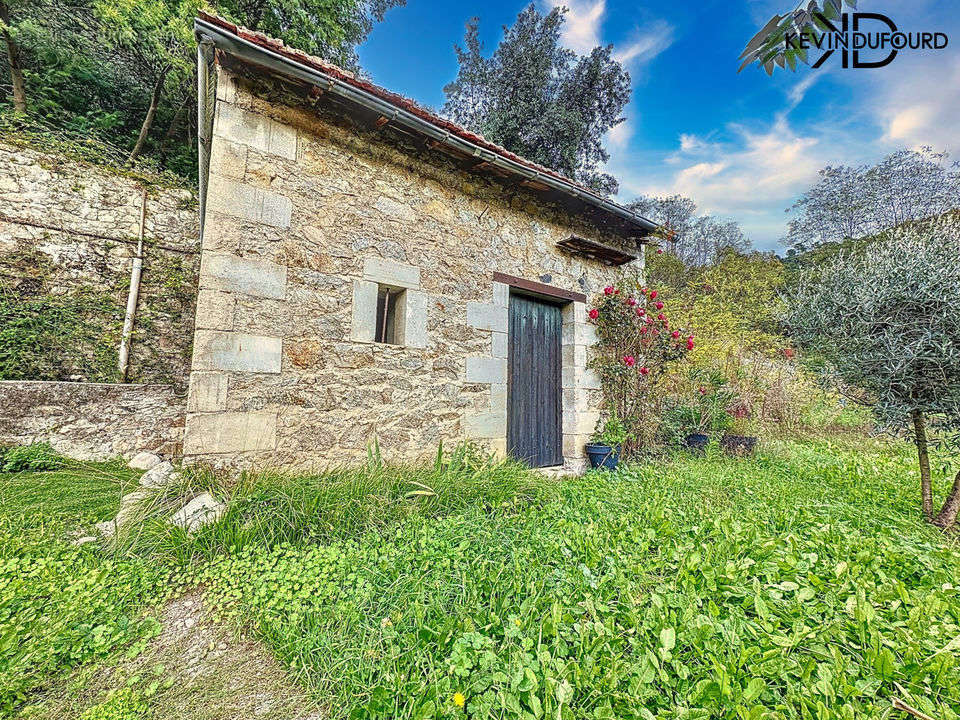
(739, 440)
(691, 423)
(607, 442)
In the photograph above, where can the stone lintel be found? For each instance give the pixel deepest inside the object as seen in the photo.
(391, 273)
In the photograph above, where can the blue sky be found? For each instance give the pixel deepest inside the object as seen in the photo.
(743, 146)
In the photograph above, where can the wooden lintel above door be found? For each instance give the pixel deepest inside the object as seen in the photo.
(539, 288)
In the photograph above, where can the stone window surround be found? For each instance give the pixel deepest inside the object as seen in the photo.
(578, 418)
(411, 313)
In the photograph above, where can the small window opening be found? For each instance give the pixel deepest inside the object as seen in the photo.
(388, 300)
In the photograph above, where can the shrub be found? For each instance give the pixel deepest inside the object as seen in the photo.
(30, 458)
(884, 321)
(699, 405)
(636, 342)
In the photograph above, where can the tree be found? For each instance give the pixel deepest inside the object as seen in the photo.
(850, 203)
(115, 70)
(330, 30)
(696, 239)
(884, 321)
(14, 61)
(539, 99)
(156, 41)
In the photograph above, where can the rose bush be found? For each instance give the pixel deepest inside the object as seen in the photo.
(635, 343)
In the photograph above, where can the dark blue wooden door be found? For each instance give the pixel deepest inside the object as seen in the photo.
(533, 382)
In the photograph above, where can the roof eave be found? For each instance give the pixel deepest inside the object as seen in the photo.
(254, 53)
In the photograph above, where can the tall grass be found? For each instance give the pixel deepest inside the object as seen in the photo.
(268, 508)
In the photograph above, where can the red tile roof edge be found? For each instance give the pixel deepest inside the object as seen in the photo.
(395, 99)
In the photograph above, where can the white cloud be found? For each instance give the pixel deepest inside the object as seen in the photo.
(690, 143)
(619, 135)
(799, 91)
(752, 175)
(646, 45)
(920, 103)
(581, 31)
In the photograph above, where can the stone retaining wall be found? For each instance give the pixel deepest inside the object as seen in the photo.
(93, 421)
(68, 234)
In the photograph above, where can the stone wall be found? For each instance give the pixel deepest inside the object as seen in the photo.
(67, 238)
(93, 421)
(307, 219)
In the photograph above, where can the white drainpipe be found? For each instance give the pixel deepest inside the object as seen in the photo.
(133, 295)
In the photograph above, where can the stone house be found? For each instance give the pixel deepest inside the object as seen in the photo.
(370, 270)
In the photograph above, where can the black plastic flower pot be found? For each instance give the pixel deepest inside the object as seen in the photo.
(738, 445)
(603, 456)
(696, 443)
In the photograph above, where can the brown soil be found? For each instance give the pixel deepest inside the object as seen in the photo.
(205, 671)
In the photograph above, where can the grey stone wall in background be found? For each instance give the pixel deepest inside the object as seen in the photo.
(50, 209)
(93, 421)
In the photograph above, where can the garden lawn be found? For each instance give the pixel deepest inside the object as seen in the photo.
(800, 583)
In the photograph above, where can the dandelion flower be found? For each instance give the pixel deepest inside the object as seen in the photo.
(459, 700)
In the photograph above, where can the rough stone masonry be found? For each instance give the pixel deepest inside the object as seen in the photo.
(306, 218)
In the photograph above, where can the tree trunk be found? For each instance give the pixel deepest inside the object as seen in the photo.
(148, 120)
(947, 516)
(13, 60)
(920, 439)
(171, 129)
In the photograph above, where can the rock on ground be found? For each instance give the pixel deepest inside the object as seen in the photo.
(144, 461)
(203, 509)
(159, 475)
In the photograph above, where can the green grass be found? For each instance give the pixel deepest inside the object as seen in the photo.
(77, 493)
(798, 584)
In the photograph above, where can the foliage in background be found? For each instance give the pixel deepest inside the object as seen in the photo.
(732, 305)
(329, 30)
(884, 321)
(59, 337)
(539, 99)
(120, 73)
(636, 343)
(697, 403)
(696, 240)
(857, 203)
